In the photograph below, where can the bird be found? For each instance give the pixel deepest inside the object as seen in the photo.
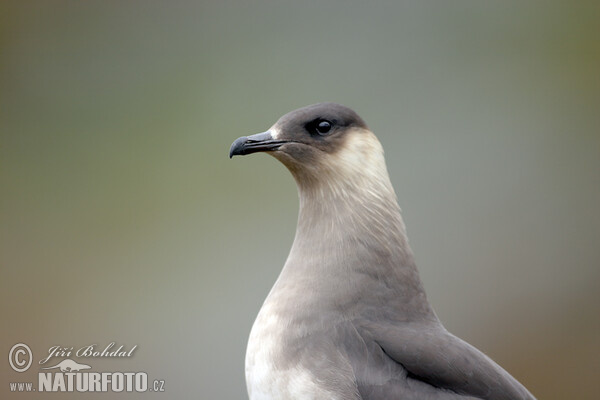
(348, 317)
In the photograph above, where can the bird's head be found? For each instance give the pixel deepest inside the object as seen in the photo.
(321, 143)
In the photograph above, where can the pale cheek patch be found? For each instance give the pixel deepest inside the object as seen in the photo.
(362, 152)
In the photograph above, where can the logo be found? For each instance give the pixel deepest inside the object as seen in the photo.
(69, 366)
(69, 375)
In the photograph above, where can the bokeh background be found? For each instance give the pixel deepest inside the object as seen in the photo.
(122, 218)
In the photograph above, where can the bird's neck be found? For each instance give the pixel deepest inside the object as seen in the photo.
(356, 216)
(348, 199)
(350, 231)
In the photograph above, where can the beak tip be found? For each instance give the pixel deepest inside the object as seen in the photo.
(237, 147)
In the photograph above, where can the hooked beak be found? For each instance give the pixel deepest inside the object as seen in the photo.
(254, 143)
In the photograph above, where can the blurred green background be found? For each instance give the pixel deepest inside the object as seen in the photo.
(122, 218)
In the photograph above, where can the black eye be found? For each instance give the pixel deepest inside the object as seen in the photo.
(322, 127)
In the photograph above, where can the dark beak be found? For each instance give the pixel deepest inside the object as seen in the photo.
(253, 144)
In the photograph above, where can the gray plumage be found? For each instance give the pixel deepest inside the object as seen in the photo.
(348, 317)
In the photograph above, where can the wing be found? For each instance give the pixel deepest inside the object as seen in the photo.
(432, 355)
(377, 376)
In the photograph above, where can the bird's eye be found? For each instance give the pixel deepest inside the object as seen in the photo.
(320, 127)
(323, 127)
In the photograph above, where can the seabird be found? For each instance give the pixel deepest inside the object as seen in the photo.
(348, 317)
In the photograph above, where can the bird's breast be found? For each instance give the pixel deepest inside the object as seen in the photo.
(280, 361)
